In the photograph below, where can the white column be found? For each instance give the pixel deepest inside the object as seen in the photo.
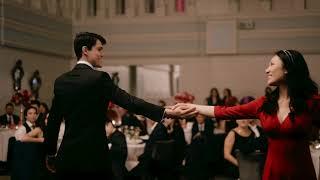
(100, 9)
(170, 7)
(141, 8)
(112, 8)
(129, 12)
(160, 9)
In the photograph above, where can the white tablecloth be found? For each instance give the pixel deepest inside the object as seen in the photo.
(5, 134)
(315, 155)
(188, 132)
(134, 151)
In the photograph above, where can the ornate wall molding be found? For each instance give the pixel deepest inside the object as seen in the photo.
(31, 29)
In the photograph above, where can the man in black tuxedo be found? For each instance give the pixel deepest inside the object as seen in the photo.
(80, 98)
(9, 118)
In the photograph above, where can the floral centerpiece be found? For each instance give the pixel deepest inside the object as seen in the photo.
(21, 98)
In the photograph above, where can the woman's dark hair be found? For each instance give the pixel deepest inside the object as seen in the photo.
(229, 93)
(25, 112)
(300, 85)
(209, 98)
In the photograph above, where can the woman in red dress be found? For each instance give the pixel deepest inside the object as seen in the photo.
(286, 115)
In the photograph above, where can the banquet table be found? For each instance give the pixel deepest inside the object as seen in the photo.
(135, 149)
(5, 134)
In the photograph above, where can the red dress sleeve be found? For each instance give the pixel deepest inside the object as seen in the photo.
(245, 111)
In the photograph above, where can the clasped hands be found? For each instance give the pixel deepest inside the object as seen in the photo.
(181, 110)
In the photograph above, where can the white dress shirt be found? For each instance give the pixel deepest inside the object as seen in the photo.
(82, 61)
(9, 119)
(201, 127)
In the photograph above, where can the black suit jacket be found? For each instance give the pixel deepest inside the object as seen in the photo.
(4, 120)
(159, 133)
(208, 128)
(81, 97)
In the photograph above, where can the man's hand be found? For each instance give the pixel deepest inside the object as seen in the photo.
(181, 110)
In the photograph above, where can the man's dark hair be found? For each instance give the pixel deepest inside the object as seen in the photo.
(9, 104)
(86, 39)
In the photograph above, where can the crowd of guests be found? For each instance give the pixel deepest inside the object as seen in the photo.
(209, 151)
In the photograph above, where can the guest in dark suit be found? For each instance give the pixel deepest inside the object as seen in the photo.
(199, 157)
(147, 167)
(9, 118)
(80, 98)
(180, 145)
(202, 125)
(118, 149)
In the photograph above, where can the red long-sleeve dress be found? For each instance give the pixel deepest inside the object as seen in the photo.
(288, 147)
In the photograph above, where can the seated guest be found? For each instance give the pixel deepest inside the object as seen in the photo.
(118, 149)
(131, 119)
(240, 138)
(9, 119)
(228, 99)
(202, 125)
(35, 103)
(28, 132)
(261, 142)
(43, 108)
(199, 156)
(146, 166)
(177, 134)
(214, 98)
(219, 126)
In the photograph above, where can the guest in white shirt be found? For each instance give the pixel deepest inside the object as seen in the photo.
(28, 132)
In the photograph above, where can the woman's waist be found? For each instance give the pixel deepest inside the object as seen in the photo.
(288, 146)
